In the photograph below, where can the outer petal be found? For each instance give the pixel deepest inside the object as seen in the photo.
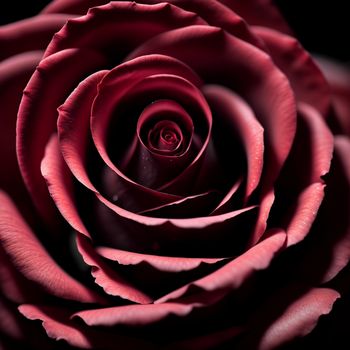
(74, 127)
(112, 21)
(324, 259)
(306, 79)
(162, 263)
(211, 11)
(107, 278)
(30, 258)
(300, 193)
(57, 324)
(234, 273)
(133, 315)
(29, 34)
(14, 75)
(236, 114)
(338, 76)
(286, 319)
(41, 98)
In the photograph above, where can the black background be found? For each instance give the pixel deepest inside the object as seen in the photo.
(322, 26)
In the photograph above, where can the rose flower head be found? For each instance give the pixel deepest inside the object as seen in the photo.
(174, 175)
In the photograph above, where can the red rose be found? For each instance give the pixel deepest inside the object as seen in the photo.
(186, 154)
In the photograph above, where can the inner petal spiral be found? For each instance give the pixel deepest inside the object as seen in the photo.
(165, 128)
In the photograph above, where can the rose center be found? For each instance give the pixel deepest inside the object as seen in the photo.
(166, 135)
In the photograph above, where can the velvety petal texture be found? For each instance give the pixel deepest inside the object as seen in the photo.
(174, 175)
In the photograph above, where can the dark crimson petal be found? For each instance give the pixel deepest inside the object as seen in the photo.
(218, 15)
(296, 317)
(106, 277)
(321, 143)
(338, 77)
(9, 321)
(198, 222)
(133, 315)
(14, 286)
(58, 325)
(325, 254)
(306, 79)
(190, 206)
(211, 11)
(224, 205)
(253, 75)
(14, 75)
(259, 12)
(30, 258)
(304, 213)
(29, 34)
(60, 185)
(300, 193)
(110, 23)
(125, 230)
(41, 98)
(228, 106)
(73, 126)
(233, 274)
(161, 263)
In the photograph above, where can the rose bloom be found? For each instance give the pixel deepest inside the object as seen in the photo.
(174, 175)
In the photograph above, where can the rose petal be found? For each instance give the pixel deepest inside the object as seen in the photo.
(42, 97)
(74, 127)
(306, 79)
(54, 325)
(224, 205)
(228, 106)
(333, 217)
(212, 11)
(14, 74)
(295, 318)
(60, 185)
(9, 322)
(234, 273)
(33, 261)
(218, 15)
(191, 206)
(112, 21)
(19, 331)
(321, 143)
(57, 324)
(305, 212)
(312, 151)
(161, 263)
(14, 286)
(220, 235)
(133, 315)
(29, 34)
(107, 278)
(338, 76)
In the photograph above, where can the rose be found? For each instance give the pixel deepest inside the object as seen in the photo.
(188, 153)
